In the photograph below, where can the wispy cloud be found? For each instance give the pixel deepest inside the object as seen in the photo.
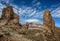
(7, 1)
(27, 11)
(34, 1)
(32, 20)
(24, 10)
(31, 12)
(56, 12)
(37, 5)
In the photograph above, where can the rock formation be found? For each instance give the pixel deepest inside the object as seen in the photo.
(11, 17)
(47, 20)
(12, 30)
(49, 24)
(7, 13)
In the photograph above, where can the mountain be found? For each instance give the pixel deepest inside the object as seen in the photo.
(12, 30)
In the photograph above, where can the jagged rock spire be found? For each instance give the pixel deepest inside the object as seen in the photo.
(47, 18)
(49, 24)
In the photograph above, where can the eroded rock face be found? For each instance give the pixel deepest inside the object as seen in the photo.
(7, 13)
(47, 18)
(49, 24)
(16, 18)
(11, 17)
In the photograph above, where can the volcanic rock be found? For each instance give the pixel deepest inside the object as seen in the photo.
(7, 13)
(49, 24)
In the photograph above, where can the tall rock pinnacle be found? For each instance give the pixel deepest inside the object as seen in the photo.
(49, 24)
(48, 20)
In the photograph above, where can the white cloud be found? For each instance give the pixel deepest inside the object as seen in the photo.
(27, 11)
(38, 14)
(37, 4)
(6, 1)
(31, 12)
(56, 12)
(32, 20)
(2, 6)
(34, 12)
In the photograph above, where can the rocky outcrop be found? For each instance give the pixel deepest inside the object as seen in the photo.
(7, 13)
(49, 24)
(9, 22)
(47, 20)
(11, 17)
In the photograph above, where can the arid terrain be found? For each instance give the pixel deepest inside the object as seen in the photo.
(12, 30)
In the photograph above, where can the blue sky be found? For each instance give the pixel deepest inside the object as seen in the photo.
(33, 10)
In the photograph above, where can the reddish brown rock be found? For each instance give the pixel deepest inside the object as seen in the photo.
(49, 24)
(3, 38)
(3, 13)
(7, 13)
(47, 20)
(16, 18)
(11, 17)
